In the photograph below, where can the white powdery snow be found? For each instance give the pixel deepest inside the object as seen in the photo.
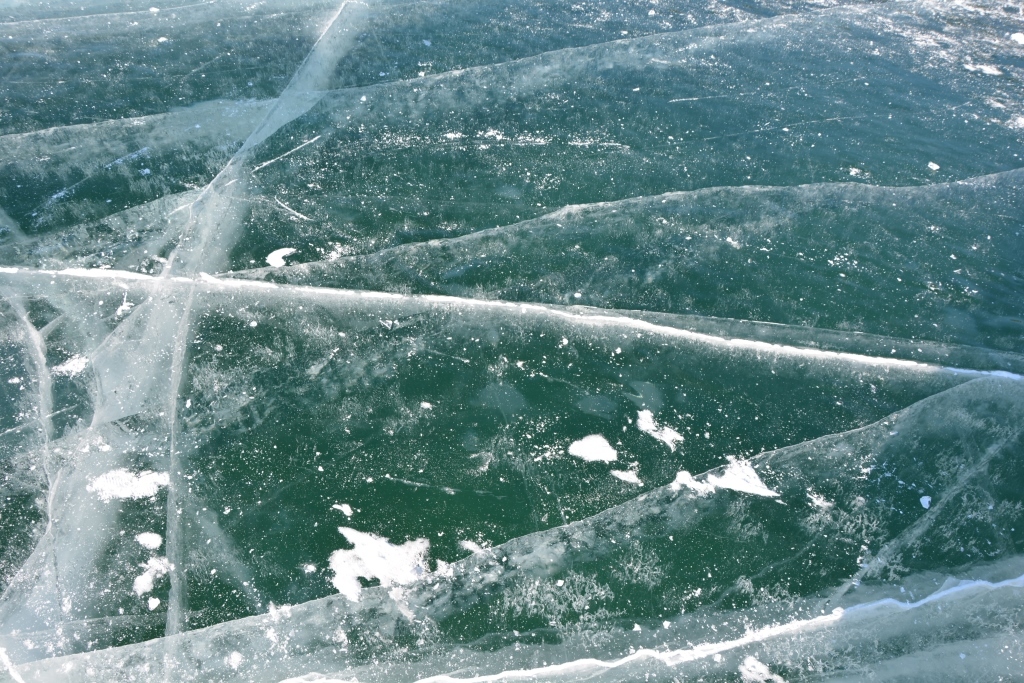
(122, 484)
(754, 671)
(645, 423)
(593, 448)
(71, 367)
(375, 558)
(276, 257)
(155, 568)
(149, 540)
(684, 478)
(738, 476)
(627, 476)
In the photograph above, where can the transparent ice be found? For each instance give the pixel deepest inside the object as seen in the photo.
(549, 340)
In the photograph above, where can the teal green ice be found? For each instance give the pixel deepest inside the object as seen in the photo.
(552, 340)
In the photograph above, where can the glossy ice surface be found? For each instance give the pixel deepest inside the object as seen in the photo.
(561, 340)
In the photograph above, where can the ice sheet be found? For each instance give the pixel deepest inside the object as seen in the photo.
(378, 341)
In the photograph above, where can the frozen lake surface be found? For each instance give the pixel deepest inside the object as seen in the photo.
(552, 340)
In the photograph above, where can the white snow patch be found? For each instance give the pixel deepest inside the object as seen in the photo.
(344, 508)
(684, 478)
(987, 69)
(149, 540)
(819, 501)
(740, 476)
(471, 546)
(754, 671)
(926, 502)
(375, 558)
(234, 660)
(156, 567)
(124, 307)
(627, 476)
(276, 257)
(933, 166)
(1018, 38)
(153, 603)
(122, 484)
(72, 366)
(645, 423)
(593, 448)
